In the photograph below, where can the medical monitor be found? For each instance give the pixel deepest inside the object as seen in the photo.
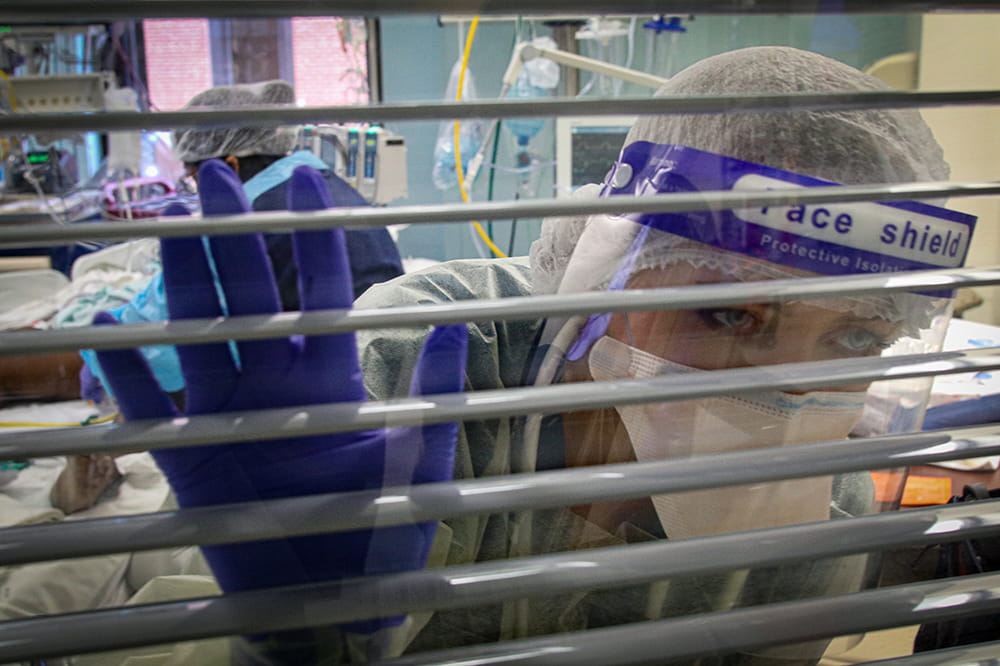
(586, 147)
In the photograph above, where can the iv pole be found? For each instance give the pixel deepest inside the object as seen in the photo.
(528, 51)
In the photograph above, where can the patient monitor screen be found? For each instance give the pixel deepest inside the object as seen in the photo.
(586, 148)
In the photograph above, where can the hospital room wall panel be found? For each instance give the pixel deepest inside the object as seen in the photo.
(961, 51)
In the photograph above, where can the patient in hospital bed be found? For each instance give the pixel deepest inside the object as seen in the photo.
(126, 278)
(138, 486)
(102, 280)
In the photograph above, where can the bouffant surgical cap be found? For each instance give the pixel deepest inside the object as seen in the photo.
(195, 145)
(849, 147)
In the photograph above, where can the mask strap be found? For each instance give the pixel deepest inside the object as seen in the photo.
(597, 325)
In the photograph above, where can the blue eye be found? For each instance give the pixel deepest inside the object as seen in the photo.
(860, 340)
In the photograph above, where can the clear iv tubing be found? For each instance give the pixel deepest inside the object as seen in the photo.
(651, 52)
(669, 68)
(527, 456)
(458, 153)
(631, 43)
(630, 53)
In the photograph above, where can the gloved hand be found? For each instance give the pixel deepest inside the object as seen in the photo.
(281, 373)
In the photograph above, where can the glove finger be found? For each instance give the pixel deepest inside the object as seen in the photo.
(209, 369)
(241, 261)
(421, 454)
(440, 369)
(321, 256)
(241, 264)
(325, 283)
(131, 381)
(91, 387)
(220, 190)
(441, 365)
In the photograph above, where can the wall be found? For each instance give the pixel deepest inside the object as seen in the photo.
(960, 52)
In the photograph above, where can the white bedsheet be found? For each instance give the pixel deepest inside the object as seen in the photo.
(80, 584)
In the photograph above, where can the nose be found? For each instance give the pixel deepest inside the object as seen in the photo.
(800, 343)
(783, 345)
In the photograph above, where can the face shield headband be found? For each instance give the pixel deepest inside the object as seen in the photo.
(811, 239)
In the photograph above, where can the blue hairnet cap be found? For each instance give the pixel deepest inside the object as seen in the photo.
(195, 145)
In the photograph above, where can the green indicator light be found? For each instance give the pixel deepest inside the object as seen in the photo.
(36, 158)
(6, 28)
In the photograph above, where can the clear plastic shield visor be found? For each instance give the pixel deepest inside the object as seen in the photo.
(645, 251)
(762, 243)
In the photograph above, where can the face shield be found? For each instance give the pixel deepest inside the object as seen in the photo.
(644, 251)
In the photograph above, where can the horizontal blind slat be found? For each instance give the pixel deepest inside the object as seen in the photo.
(301, 421)
(320, 604)
(436, 110)
(35, 234)
(437, 501)
(504, 309)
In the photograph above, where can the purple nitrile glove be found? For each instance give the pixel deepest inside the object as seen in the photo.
(90, 386)
(286, 372)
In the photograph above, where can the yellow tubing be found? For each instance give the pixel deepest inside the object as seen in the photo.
(92, 420)
(458, 153)
(10, 87)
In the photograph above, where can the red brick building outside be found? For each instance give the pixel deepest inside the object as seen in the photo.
(178, 61)
(330, 68)
(328, 60)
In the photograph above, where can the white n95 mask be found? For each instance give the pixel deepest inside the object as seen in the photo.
(706, 426)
